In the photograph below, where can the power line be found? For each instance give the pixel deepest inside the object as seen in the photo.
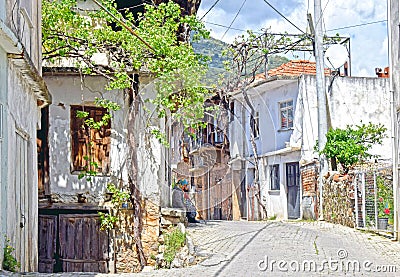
(278, 12)
(358, 25)
(240, 9)
(232, 28)
(212, 6)
(322, 14)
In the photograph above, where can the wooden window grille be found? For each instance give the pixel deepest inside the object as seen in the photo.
(90, 145)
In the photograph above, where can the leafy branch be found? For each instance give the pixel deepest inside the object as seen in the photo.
(350, 146)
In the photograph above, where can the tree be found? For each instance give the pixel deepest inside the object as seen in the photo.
(350, 146)
(158, 47)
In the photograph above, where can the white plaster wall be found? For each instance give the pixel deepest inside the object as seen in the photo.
(68, 90)
(350, 101)
(237, 132)
(152, 156)
(272, 137)
(266, 102)
(24, 19)
(276, 200)
(3, 160)
(64, 185)
(21, 115)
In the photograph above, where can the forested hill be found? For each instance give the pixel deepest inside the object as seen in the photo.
(213, 48)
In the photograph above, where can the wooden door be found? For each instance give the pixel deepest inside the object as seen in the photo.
(72, 243)
(83, 246)
(293, 184)
(47, 242)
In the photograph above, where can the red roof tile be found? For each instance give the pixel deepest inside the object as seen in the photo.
(293, 68)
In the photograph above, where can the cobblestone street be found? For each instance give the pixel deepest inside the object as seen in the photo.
(274, 248)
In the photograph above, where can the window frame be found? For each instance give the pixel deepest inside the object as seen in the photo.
(255, 124)
(274, 177)
(289, 125)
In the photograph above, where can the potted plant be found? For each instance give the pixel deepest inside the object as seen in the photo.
(384, 203)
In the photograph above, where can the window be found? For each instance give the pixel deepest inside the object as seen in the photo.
(90, 144)
(274, 176)
(254, 123)
(286, 114)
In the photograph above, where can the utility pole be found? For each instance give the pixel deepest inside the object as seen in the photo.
(321, 98)
(394, 85)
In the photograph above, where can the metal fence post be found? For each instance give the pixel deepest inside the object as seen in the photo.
(363, 199)
(375, 201)
(356, 197)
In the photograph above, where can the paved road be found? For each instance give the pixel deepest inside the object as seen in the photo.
(277, 248)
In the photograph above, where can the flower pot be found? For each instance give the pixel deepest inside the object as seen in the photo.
(382, 223)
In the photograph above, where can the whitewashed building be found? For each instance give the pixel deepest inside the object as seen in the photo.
(286, 115)
(22, 96)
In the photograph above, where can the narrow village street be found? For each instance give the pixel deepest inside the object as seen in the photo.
(290, 248)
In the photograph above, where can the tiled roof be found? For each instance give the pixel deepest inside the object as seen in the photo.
(293, 68)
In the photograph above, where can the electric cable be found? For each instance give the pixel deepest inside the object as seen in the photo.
(212, 6)
(230, 26)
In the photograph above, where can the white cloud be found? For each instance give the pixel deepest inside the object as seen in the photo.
(368, 43)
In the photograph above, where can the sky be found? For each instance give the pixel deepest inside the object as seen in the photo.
(368, 42)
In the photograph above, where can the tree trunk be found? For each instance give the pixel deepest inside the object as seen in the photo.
(256, 158)
(136, 198)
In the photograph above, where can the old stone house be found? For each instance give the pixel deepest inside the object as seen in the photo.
(23, 95)
(286, 131)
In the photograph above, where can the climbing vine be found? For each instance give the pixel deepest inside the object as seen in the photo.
(91, 166)
(71, 32)
(161, 48)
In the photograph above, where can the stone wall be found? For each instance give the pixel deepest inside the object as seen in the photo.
(338, 199)
(125, 253)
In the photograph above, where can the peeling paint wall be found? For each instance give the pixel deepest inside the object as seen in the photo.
(73, 89)
(67, 91)
(19, 119)
(64, 184)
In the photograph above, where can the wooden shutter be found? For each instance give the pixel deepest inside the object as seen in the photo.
(82, 136)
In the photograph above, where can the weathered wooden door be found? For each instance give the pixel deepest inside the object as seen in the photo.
(83, 246)
(293, 184)
(72, 243)
(47, 242)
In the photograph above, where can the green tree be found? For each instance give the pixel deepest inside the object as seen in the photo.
(350, 146)
(69, 32)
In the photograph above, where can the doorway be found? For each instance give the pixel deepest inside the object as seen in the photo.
(71, 241)
(293, 185)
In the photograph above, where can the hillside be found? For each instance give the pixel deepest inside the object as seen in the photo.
(213, 48)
